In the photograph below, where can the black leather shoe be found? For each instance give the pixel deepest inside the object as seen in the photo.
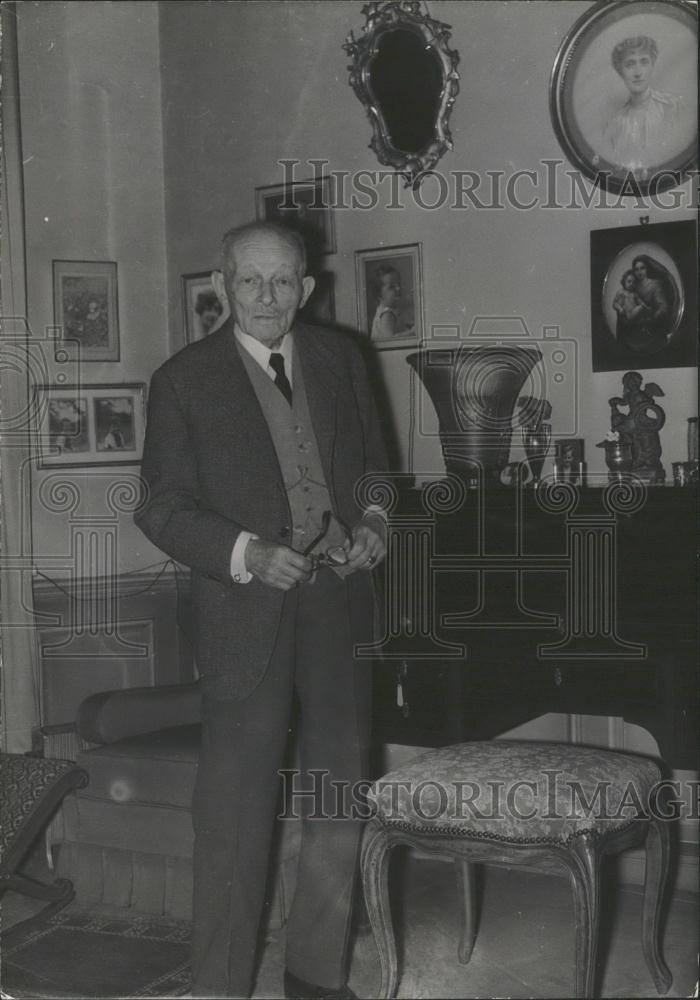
(299, 989)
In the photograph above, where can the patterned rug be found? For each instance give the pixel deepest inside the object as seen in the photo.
(86, 954)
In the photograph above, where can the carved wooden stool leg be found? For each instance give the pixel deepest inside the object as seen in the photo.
(468, 888)
(375, 883)
(584, 864)
(657, 854)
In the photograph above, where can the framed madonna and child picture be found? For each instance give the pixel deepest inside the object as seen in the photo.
(644, 296)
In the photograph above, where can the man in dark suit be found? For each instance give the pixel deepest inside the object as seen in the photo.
(256, 438)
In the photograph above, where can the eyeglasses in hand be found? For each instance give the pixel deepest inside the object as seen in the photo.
(335, 555)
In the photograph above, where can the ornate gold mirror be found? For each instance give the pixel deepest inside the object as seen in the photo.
(405, 74)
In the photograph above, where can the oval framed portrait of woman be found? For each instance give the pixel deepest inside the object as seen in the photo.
(643, 296)
(623, 94)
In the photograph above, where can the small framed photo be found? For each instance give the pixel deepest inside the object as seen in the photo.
(644, 297)
(90, 424)
(389, 295)
(623, 94)
(202, 309)
(302, 205)
(568, 455)
(86, 314)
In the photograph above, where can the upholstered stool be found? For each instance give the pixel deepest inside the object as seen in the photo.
(547, 806)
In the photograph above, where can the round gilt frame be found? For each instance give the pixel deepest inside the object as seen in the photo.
(612, 176)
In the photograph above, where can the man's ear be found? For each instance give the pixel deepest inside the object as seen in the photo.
(308, 284)
(217, 280)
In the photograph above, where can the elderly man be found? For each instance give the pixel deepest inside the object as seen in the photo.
(256, 438)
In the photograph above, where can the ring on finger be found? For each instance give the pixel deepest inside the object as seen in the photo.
(372, 560)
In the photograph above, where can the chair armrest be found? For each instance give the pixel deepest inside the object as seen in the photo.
(31, 788)
(109, 716)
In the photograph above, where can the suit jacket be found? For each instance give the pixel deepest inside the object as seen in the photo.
(210, 470)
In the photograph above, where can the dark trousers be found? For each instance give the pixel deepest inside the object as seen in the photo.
(237, 795)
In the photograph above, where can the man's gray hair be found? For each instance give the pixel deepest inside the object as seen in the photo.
(238, 233)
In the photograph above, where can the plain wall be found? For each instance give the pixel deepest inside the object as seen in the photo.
(93, 175)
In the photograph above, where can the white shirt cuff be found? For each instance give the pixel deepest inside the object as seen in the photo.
(239, 574)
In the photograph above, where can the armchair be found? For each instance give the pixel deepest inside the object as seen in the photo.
(128, 834)
(31, 789)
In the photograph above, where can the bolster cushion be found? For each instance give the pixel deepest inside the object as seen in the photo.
(109, 716)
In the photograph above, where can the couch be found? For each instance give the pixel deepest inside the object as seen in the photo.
(127, 838)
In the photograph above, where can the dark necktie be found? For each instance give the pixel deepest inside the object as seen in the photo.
(281, 380)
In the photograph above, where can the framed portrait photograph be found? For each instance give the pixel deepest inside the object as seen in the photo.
(623, 94)
(303, 205)
(568, 455)
(90, 424)
(202, 309)
(86, 314)
(644, 296)
(390, 296)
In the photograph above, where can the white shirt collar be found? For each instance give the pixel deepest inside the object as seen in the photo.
(260, 353)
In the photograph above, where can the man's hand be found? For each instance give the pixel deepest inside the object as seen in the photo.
(369, 543)
(276, 565)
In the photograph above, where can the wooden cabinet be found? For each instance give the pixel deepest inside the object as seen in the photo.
(583, 610)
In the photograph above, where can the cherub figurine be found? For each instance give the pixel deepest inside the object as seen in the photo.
(639, 427)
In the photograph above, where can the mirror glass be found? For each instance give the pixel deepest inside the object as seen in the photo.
(406, 80)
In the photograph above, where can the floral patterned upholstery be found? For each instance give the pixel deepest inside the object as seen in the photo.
(25, 783)
(524, 792)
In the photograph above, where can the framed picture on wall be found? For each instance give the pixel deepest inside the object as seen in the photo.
(644, 297)
(86, 314)
(202, 309)
(390, 295)
(83, 425)
(623, 94)
(303, 205)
